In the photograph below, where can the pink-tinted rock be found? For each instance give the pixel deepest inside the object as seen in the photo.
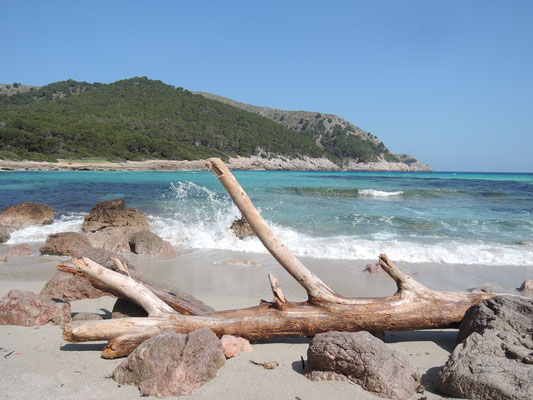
(172, 364)
(148, 243)
(114, 218)
(26, 214)
(19, 250)
(70, 287)
(361, 358)
(30, 309)
(373, 269)
(234, 345)
(66, 244)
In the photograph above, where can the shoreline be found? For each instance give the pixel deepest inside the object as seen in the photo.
(253, 163)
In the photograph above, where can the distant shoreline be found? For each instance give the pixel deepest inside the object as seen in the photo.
(253, 163)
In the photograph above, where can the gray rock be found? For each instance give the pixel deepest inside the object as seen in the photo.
(148, 243)
(86, 316)
(172, 364)
(512, 314)
(4, 234)
(30, 309)
(526, 288)
(495, 357)
(373, 269)
(66, 244)
(26, 214)
(71, 287)
(242, 228)
(104, 257)
(361, 358)
(124, 308)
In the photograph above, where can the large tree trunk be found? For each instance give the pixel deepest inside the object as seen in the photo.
(413, 306)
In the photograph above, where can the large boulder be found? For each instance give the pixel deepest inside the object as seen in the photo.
(26, 214)
(30, 309)
(114, 218)
(361, 358)
(242, 228)
(148, 243)
(4, 234)
(495, 357)
(71, 287)
(526, 288)
(172, 364)
(105, 258)
(65, 244)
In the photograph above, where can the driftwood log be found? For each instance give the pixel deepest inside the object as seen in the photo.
(413, 306)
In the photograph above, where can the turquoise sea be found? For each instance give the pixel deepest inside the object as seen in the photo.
(437, 217)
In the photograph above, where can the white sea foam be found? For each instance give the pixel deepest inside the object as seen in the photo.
(378, 193)
(32, 233)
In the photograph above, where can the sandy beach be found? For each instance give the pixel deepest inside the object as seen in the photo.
(36, 362)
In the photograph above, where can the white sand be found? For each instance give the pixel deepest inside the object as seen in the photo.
(37, 363)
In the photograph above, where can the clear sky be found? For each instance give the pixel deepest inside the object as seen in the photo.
(449, 82)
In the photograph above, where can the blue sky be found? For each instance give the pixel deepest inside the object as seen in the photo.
(450, 82)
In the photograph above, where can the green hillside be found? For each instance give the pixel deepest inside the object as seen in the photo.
(139, 118)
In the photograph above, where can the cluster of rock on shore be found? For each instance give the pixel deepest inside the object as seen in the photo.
(492, 360)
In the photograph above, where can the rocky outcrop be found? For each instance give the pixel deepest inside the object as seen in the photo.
(172, 364)
(66, 244)
(242, 228)
(234, 345)
(148, 243)
(495, 357)
(30, 309)
(114, 218)
(70, 287)
(22, 249)
(4, 234)
(361, 358)
(26, 214)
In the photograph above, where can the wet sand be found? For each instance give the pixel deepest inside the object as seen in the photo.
(37, 363)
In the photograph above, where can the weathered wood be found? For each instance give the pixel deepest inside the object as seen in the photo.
(413, 306)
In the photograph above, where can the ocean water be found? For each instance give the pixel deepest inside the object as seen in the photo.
(427, 217)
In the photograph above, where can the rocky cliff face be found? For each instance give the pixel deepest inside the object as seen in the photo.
(320, 125)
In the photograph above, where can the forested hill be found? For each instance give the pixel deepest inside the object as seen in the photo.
(139, 118)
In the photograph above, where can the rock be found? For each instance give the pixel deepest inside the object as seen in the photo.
(525, 243)
(19, 250)
(361, 358)
(526, 288)
(4, 234)
(66, 244)
(3, 258)
(373, 269)
(71, 287)
(242, 228)
(26, 214)
(30, 309)
(86, 316)
(114, 218)
(104, 257)
(487, 288)
(148, 243)
(238, 261)
(124, 308)
(479, 369)
(495, 357)
(117, 244)
(172, 364)
(234, 345)
(511, 314)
